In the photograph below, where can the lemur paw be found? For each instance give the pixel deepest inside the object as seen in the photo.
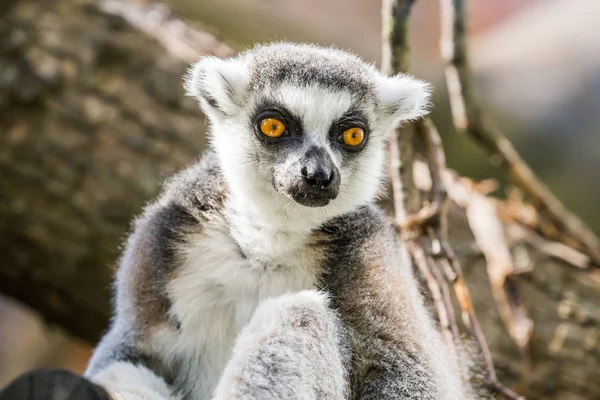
(125, 381)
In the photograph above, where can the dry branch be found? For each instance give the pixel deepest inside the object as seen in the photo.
(461, 189)
(430, 222)
(468, 116)
(490, 237)
(556, 250)
(155, 20)
(395, 58)
(436, 228)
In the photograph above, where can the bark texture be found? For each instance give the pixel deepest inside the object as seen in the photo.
(564, 304)
(93, 118)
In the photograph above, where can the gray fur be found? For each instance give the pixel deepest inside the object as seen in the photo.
(302, 353)
(221, 285)
(373, 290)
(334, 69)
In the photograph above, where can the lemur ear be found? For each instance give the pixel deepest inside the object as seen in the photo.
(219, 85)
(402, 97)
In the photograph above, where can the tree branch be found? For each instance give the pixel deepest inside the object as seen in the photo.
(468, 116)
(395, 58)
(430, 222)
(436, 228)
(155, 20)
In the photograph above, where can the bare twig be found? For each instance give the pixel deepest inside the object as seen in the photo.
(395, 50)
(487, 229)
(514, 214)
(436, 227)
(490, 238)
(396, 177)
(468, 116)
(431, 212)
(436, 285)
(431, 221)
(482, 214)
(553, 249)
(155, 20)
(395, 58)
(439, 235)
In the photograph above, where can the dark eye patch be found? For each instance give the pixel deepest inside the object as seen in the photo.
(353, 118)
(271, 109)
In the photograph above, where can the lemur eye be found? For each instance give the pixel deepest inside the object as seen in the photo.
(272, 127)
(353, 136)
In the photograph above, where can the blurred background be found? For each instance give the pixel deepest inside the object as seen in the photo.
(66, 197)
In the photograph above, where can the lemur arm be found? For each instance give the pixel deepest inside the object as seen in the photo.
(126, 362)
(294, 347)
(130, 380)
(400, 354)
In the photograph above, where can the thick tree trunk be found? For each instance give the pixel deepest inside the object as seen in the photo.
(93, 117)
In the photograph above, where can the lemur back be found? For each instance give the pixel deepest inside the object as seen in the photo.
(264, 271)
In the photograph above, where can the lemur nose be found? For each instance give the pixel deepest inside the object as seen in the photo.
(319, 173)
(318, 178)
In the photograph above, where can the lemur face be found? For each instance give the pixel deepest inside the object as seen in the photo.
(302, 122)
(310, 142)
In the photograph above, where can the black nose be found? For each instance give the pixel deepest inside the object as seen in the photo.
(318, 178)
(319, 173)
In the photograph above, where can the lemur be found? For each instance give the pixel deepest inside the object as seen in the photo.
(265, 271)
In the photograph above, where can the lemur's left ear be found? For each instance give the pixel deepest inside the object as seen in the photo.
(402, 97)
(219, 85)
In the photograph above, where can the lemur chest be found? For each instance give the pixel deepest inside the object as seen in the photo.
(219, 284)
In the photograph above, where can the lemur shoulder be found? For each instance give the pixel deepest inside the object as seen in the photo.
(264, 271)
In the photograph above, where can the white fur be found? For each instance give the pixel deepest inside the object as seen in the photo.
(224, 80)
(216, 291)
(125, 381)
(407, 96)
(250, 182)
(399, 97)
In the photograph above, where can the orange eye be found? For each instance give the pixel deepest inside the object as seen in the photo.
(272, 127)
(353, 136)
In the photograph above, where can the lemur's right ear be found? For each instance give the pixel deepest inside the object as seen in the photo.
(219, 85)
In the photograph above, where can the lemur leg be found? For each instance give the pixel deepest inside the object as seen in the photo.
(125, 372)
(126, 381)
(294, 347)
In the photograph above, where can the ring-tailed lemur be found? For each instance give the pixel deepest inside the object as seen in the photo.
(264, 271)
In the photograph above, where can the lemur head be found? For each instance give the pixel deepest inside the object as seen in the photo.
(302, 124)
